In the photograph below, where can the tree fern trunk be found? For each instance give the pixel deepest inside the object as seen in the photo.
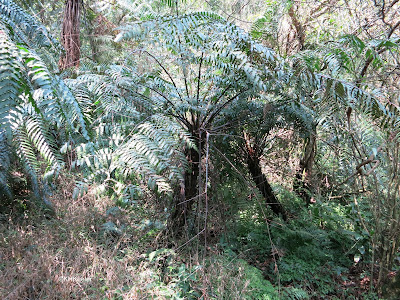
(189, 194)
(302, 184)
(70, 34)
(254, 166)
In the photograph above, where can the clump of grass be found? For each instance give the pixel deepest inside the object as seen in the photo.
(229, 277)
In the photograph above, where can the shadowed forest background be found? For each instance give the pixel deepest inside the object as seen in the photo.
(213, 149)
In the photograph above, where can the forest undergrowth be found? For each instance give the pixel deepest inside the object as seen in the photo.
(184, 149)
(93, 249)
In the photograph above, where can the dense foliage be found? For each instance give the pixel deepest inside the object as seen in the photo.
(260, 137)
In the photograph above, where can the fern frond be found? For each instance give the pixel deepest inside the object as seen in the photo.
(23, 27)
(10, 77)
(154, 153)
(33, 101)
(5, 162)
(32, 137)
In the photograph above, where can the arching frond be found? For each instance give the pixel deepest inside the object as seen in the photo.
(24, 28)
(152, 155)
(10, 77)
(33, 101)
(217, 62)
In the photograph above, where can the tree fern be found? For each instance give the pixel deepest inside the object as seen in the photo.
(197, 66)
(201, 65)
(33, 101)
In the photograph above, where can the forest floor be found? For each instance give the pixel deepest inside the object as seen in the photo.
(94, 250)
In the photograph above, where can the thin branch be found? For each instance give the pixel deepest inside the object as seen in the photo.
(218, 110)
(366, 65)
(199, 77)
(205, 191)
(393, 29)
(220, 96)
(177, 116)
(159, 93)
(393, 3)
(165, 70)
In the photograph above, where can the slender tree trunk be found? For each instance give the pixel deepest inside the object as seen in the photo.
(254, 166)
(302, 184)
(253, 163)
(70, 35)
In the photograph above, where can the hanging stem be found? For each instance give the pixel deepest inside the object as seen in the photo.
(206, 193)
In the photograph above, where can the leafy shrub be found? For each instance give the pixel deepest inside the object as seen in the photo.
(233, 278)
(174, 279)
(306, 254)
(259, 287)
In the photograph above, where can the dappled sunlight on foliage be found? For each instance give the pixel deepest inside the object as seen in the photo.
(216, 149)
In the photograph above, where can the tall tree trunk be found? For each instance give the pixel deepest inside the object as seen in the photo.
(254, 165)
(70, 35)
(302, 185)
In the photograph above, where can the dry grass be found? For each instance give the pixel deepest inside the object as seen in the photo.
(68, 257)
